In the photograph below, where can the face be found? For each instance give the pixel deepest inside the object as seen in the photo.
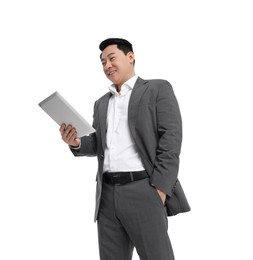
(117, 66)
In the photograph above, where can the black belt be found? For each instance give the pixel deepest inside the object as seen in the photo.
(121, 178)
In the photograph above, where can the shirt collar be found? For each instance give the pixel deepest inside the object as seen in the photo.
(129, 84)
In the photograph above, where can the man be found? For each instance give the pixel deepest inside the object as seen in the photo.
(137, 143)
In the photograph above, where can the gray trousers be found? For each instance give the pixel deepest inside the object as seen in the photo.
(133, 215)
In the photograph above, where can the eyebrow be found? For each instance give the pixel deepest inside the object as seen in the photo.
(112, 53)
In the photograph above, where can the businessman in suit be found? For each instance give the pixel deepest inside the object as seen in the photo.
(137, 143)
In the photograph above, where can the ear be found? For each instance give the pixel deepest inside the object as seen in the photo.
(131, 57)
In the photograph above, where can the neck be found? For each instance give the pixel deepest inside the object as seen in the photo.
(119, 86)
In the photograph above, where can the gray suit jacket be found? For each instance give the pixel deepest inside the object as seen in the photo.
(155, 125)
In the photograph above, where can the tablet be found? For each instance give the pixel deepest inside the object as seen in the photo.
(62, 112)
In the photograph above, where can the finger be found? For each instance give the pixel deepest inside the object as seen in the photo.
(71, 135)
(69, 128)
(162, 195)
(62, 128)
(66, 132)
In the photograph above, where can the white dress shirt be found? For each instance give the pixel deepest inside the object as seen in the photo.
(120, 152)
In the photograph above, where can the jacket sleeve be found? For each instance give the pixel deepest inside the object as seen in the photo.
(169, 130)
(88, 146)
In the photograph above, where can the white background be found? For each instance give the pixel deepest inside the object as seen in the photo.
(204, 48)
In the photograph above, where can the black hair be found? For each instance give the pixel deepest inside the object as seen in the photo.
(122, 45)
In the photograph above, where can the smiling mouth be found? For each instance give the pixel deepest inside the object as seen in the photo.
(111, 73)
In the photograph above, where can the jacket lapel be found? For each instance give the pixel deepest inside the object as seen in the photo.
(103, 117)
(138, 90)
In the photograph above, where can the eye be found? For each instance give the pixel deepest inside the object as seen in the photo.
(112, 58)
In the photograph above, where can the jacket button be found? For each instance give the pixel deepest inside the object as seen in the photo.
(102, 156)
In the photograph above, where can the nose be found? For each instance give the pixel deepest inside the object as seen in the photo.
(107, 65)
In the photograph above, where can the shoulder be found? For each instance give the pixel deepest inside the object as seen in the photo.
(158, 85)
(102, 100)
(105, 97)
